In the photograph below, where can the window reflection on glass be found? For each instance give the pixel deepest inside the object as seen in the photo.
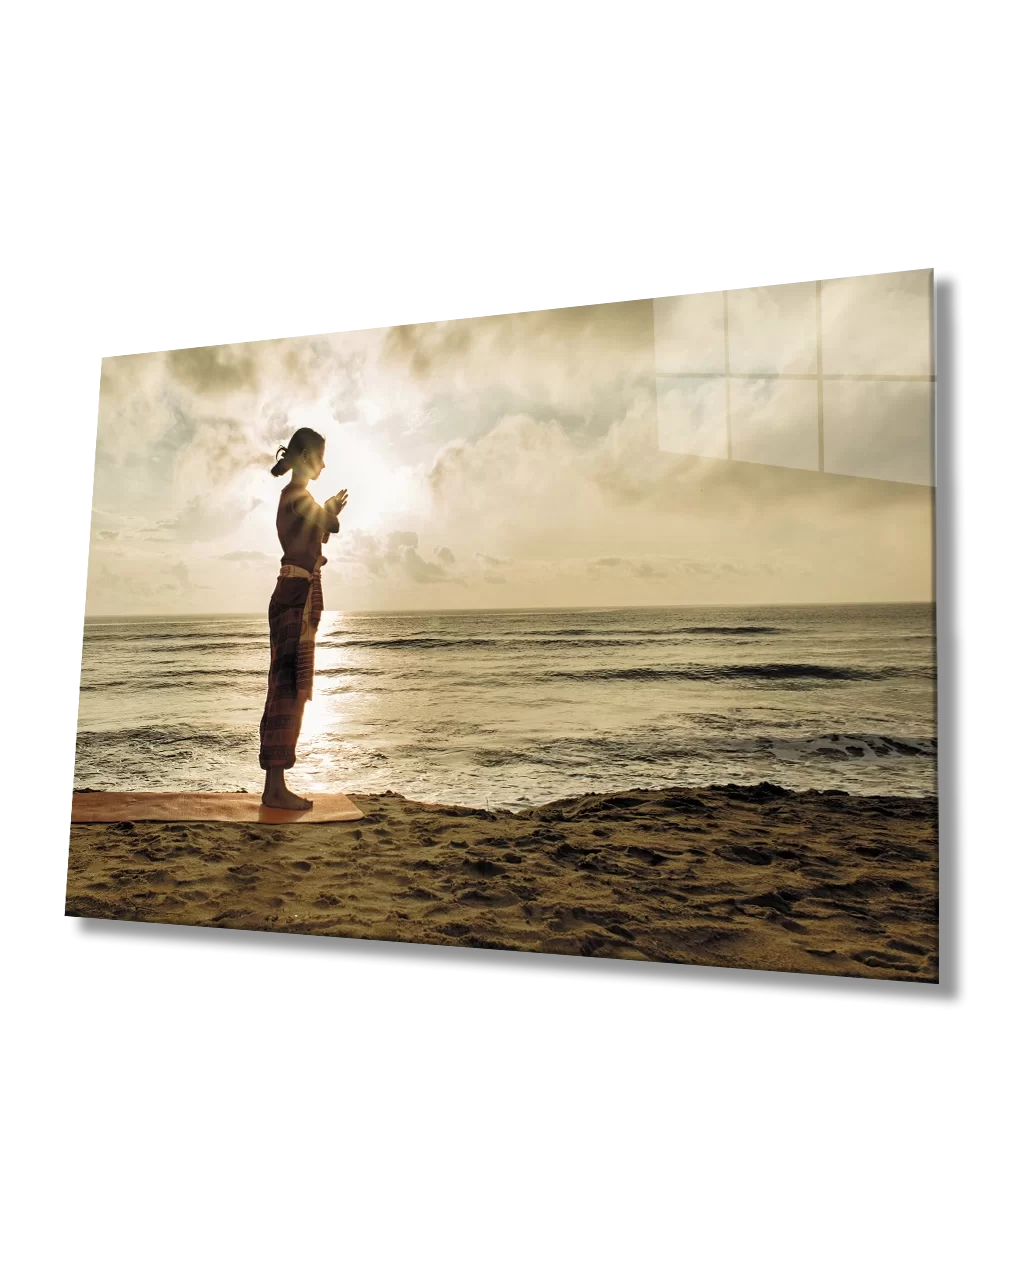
(832, 375)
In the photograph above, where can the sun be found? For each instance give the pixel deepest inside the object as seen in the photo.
(376, 488)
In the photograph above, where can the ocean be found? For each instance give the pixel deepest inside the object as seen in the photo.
(513, 708)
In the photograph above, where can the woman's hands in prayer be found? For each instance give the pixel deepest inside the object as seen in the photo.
(333, 506)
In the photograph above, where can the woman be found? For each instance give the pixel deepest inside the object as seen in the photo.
(295, 609)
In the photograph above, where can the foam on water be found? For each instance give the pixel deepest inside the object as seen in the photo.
(516, 708)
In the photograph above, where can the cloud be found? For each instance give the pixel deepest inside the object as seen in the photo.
(420, 570)
(358, 547)
(395, 554)
(533, 490)
(581, 365)
(203, 521)
(107, 585)
(213, 370)
(331, 366)
(400, 538)
(215, 451)
(619, 569)
(535, 436)
(633, 569)
(137, 420)
(519, 455)
(573, 340)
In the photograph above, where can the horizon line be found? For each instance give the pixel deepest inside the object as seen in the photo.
(602, 608)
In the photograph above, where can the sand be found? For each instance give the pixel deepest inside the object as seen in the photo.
(742, 877)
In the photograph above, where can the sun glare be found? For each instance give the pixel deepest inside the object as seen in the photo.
(376, 489)
(320, 714)
(379, 493)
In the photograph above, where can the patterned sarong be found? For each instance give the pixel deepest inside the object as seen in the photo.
(294, 615)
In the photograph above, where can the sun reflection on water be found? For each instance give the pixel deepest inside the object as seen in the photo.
(320, 718)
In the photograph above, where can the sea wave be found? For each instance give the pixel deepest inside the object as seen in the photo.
(172, 678)
(408, 642)
(851, 746)
(727, 631)
(745, 671)
(649, 749)
(661, 631)
(218, 646)
(147, 637)
(169, 735)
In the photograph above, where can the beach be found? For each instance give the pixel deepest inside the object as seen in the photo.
(749, 877)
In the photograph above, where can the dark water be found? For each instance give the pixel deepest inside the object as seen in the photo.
(516, 708)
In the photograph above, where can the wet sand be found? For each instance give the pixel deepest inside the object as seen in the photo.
(740, 877)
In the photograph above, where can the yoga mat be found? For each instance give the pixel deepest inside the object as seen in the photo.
(202, 806)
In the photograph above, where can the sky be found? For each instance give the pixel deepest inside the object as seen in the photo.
(580, 457)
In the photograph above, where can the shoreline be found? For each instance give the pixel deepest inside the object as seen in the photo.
(752, 877)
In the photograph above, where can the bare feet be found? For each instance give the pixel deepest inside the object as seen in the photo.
(277, 796)
(282, 798)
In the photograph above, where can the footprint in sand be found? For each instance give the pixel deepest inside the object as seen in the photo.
(894, 944)
(878, 960)
(476, 898)
(645, 855)
(787, 923)
(483, 867)
(247, 871)
(524, 892)
(750, 854)
(236, 914)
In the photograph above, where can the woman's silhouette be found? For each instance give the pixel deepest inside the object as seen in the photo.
(295, 608)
